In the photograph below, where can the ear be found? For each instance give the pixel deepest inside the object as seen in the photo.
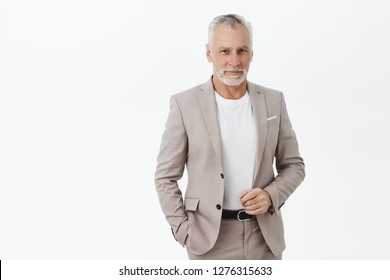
(252, 56)
(208, 53)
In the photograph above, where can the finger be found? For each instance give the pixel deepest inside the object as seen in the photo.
(249, 195)
(244, 193)
(252, 207)
(249, 204)
(256, 209)
(257, 202)
(260, 198)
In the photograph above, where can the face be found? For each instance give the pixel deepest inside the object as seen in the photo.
(230, 53)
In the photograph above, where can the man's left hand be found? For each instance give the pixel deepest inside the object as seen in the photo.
(255, 201)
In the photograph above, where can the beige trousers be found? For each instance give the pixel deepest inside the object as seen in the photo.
(238, 241)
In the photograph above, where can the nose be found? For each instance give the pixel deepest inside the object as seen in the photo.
(234, 60)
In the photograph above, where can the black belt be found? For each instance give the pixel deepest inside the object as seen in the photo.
(236, 215)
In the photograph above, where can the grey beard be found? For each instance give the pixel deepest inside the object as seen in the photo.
(231, 82)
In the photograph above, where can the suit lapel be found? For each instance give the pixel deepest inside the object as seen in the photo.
(209, 109)
(260, 114)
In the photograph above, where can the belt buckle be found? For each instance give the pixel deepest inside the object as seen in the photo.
(238, 216)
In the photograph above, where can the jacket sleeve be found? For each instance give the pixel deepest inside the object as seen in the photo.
(170, 166)
(289, 163)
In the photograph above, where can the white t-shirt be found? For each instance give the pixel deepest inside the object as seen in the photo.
(238, 133)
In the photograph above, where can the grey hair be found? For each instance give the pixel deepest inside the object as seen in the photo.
(230, 20)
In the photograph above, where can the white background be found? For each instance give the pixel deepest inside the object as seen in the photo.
(84, 90)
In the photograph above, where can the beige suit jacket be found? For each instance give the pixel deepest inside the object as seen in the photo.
(192, 139)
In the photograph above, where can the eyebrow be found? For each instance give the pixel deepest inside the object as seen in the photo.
(244, 48)
(229, 48)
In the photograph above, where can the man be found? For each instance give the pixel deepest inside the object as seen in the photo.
(228, 132)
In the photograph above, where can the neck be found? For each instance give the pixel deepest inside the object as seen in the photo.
(229, 92)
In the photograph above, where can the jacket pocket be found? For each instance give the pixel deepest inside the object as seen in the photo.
(191, 204)
(272, 121)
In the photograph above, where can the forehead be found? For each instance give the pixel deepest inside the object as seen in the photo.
(228, 36)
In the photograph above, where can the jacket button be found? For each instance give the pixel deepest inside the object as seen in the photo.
(222, 176)
(218, 207)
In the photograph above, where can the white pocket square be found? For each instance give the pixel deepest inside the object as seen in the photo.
(271, 118)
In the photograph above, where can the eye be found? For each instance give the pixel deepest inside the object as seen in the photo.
(242, 51)
(224, 51)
